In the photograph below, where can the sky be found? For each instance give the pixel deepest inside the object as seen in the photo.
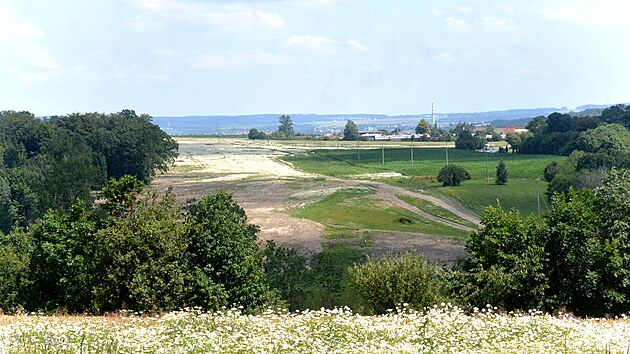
(395, 57)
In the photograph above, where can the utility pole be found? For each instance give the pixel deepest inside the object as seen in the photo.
(486, 148)
(383, 152)
(446, 153)
(412, 151)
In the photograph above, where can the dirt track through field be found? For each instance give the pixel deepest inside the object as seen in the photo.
(265, 188)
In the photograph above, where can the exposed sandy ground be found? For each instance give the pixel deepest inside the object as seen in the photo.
(267, 189)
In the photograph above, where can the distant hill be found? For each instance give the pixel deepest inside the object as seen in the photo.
(319, 123)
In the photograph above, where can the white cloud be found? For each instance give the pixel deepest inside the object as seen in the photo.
(156, 14)
(494, 24)
(456, 24)
(464, 8)
(445, 57)
(48, 75)
(436, 11)
(318, 43)
(27, 31)
(18, 31)
(270, 20)
(355, 45)
(235, 59)
(599, 12)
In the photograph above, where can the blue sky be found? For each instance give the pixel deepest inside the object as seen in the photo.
(168, 57)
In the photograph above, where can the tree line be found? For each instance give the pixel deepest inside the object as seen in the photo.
(49, 163)
(593, 145)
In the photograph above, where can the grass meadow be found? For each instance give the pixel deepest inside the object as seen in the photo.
(436, 210)
(353, 209)
(441, 329)
(521, 192)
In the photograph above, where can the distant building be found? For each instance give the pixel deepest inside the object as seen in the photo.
(511, 130)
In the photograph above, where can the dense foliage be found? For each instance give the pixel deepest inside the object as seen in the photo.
(350, 131)
(423, 128)
(393, 281)
(452, 175)
(575, 257)
(137, 251)
(50, 163)
(594, 144)
(467, 141)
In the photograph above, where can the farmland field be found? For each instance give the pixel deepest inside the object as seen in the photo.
(307, 209)
(441, 329)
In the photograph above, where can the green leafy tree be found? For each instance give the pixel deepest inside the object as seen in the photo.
(452, 175)
(502, 173)
(226, 261)
(121, 195)
(515, 142)
(286, 126)
(142, 258)
(609, 139)
(550, 171)
(61, 260)
(387, 283)
(583, 264)
(15, 252)
(288, 274)
(467, 141)
(612, 200)
(255, 134)
(507, 263)
(350, 132)
(423, 127)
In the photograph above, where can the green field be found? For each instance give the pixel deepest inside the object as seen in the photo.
(435, 210)
(519, 194)
(356, 210)
(426, 162)
(525, 172)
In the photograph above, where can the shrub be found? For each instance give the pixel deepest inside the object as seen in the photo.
(225, 259)
(390, 282)
(451, 175)
(14, 270)
(502, 173)
(287, 273)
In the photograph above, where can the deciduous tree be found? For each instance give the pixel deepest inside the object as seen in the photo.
(350, 132)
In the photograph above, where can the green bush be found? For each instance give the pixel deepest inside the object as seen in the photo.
(452, 175)
(392, 281)
(225, 260)
(502, 173)
(141, 258)
(15, 251)
(506, 267)
(287, 273)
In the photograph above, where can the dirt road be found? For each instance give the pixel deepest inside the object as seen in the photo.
(265, 188)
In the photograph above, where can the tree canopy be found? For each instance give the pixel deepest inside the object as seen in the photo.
(286, 126)
(423, 127)
(50, 163)
(350, 132)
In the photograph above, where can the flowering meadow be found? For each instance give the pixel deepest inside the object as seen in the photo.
(441, 329)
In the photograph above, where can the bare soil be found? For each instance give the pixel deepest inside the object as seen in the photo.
(265, 188)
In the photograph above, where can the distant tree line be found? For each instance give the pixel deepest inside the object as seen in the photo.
(50, 163)
(594, 145)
